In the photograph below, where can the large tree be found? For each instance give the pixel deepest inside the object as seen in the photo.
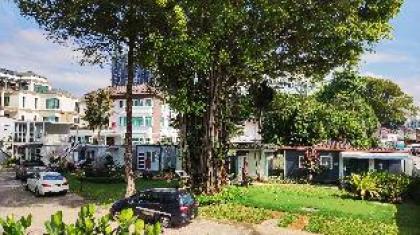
(101, 29)
(293, 119)
(230, 44)
(391, 105)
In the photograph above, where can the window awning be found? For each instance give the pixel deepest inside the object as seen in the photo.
(382, 156)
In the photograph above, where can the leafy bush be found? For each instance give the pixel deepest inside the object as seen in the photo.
(287, 219)
(15, 227)
(228, 194)
(127, 223)
(237, 213)
(381, 186)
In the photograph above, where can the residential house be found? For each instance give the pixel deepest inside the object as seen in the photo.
(338, 161)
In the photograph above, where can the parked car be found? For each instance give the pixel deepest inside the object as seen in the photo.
(169, 205)
(26, 168)
(42, 183)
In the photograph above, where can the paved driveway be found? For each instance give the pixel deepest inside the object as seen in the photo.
(14, 199)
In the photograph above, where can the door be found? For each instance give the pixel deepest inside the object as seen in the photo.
(357, 166)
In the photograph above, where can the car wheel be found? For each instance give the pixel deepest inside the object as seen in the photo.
(37, 194)
(165, 221)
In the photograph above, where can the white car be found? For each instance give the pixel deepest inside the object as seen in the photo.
(42, 183)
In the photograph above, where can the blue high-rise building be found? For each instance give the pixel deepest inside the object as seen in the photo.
(120, 73)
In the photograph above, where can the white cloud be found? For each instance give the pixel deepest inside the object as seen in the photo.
(27, 49)
(385, 57)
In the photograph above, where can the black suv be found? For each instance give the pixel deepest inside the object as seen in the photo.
(169, 205)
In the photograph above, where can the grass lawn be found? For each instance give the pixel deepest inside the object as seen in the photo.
(328, 210)
(105, 193)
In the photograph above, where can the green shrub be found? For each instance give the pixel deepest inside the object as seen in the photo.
(127, 223)
(227, 195)
(15, 227)
(381, 186)
(237, 213)
(287, 219)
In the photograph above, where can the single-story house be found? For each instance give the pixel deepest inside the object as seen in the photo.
(339, 161)
(151, 158)
(253, 156)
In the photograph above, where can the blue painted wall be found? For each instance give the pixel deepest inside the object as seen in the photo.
(327, 176)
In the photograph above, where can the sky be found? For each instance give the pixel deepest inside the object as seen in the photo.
(23, 47)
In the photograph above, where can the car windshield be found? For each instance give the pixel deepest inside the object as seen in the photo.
(186, 199)
(52, 177)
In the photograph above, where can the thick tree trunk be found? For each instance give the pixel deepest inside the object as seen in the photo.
(128, 156)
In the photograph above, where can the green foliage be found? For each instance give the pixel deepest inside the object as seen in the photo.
(237, 213)
(287, 219)
(391, 105)
(98, 109)
(85, 224)
(382, 186)
(338, 112)
(385, 98)
(294, 120)
(331, 211)
(11, 226)
(330, 225)
(228, 194)
(225, 45)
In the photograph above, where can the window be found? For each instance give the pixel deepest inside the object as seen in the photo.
(148, 121)
(22, 118)
(147, 140)
(148, 102)
(138, 102)
(301, 162)
(327, 162)
(121, 103)
(23, 101)
(162, 122)
(6, 100)
(138, 121)
(123, 121)
(51, 119)
(40, 89)
(36, 103)
(52, 103)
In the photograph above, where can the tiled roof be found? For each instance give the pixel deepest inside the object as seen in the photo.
(339, 146)
(137, 90)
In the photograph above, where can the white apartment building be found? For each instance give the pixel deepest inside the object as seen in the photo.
(151, 119)
(30, 97)
(33, 114)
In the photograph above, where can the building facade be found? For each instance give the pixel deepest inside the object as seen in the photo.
(35, 119)
(29, 97)
(151, 119)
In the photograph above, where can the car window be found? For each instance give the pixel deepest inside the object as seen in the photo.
(186, 199)
(52, 177)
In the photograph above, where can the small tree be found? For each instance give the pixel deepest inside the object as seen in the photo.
(98, 110)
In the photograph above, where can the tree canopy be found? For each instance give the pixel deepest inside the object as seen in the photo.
(391, 105)
(98, 110)
(349, 108)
